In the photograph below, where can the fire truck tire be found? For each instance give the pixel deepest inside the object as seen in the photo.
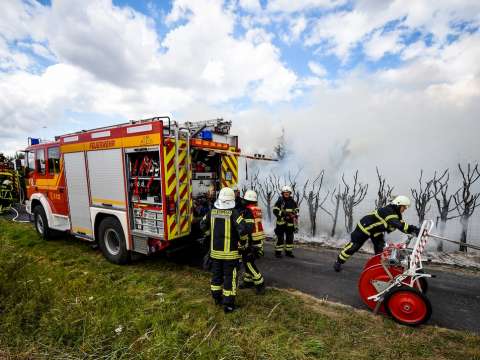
(41, 222)
(408, 306)
(112, 241)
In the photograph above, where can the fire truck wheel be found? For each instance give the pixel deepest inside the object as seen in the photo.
(408, 306)
(41, 222)
(112, 241)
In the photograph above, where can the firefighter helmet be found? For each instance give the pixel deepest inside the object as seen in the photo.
(226, 194)
(226, 199)
(250, 195)
(401, 200)
(286, 188)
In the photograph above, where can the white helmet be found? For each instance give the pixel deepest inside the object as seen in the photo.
(250, 195)
(401, 200)
(226, 194)
(226, 199)
(287, 188)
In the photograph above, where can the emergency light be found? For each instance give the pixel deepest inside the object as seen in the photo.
(33, 141)
(206, 135)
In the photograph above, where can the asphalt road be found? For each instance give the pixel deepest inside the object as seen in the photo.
(454, 294)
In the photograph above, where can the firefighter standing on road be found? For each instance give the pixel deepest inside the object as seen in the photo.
(226, 226)
(286, 212)
(374, 225)
(254, 248)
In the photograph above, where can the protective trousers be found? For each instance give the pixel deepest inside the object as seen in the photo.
(251, 275)
(357, 239)
(284, 238)
(224, 280)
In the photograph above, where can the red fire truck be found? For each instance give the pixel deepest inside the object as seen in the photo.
(132, 187)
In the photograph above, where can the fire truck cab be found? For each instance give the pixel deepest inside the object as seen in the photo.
(133, 187)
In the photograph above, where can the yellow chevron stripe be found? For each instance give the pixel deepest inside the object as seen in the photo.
(231, 165)
(170, 220)
(181, 156)
(169, 155)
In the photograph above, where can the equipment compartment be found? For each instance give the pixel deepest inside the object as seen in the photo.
(145, 190)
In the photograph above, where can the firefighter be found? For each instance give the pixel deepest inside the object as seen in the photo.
(238, 198)
(226, 226)
(286, 213)
(254, 243)
(374, 225)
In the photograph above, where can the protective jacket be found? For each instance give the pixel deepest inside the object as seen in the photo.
(226, 227)
(286, 211)
(253, 220)
(386, 219)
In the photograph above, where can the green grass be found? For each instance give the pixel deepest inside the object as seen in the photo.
(62, 300)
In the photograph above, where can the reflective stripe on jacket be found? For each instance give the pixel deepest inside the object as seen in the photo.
(227, 227)
(285, 210)
(254, 215)
(386, 219)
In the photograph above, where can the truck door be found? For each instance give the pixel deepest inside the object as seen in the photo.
(77, 185)
(56, 187)
(106, 176)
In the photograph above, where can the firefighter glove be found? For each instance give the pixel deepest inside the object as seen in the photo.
(413, 230)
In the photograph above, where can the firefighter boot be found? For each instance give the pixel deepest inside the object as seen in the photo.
(245, 285)
(230, 308)
(260, 289)
(337, 266)
(278, 254)
(289, 254)
(218, 301)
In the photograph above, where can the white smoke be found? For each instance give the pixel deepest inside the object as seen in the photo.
(363, 126)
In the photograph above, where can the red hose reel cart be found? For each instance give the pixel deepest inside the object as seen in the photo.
(394, 282)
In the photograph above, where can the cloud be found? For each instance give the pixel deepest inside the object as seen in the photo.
(107, 41)
(342, 31)
(250, 5)
(295, 28)
(249, 62)
(381, 44)
(317, 69)
(451, 73)
(110, 60)
(12, 60)
(302, 5)
(19, 18)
